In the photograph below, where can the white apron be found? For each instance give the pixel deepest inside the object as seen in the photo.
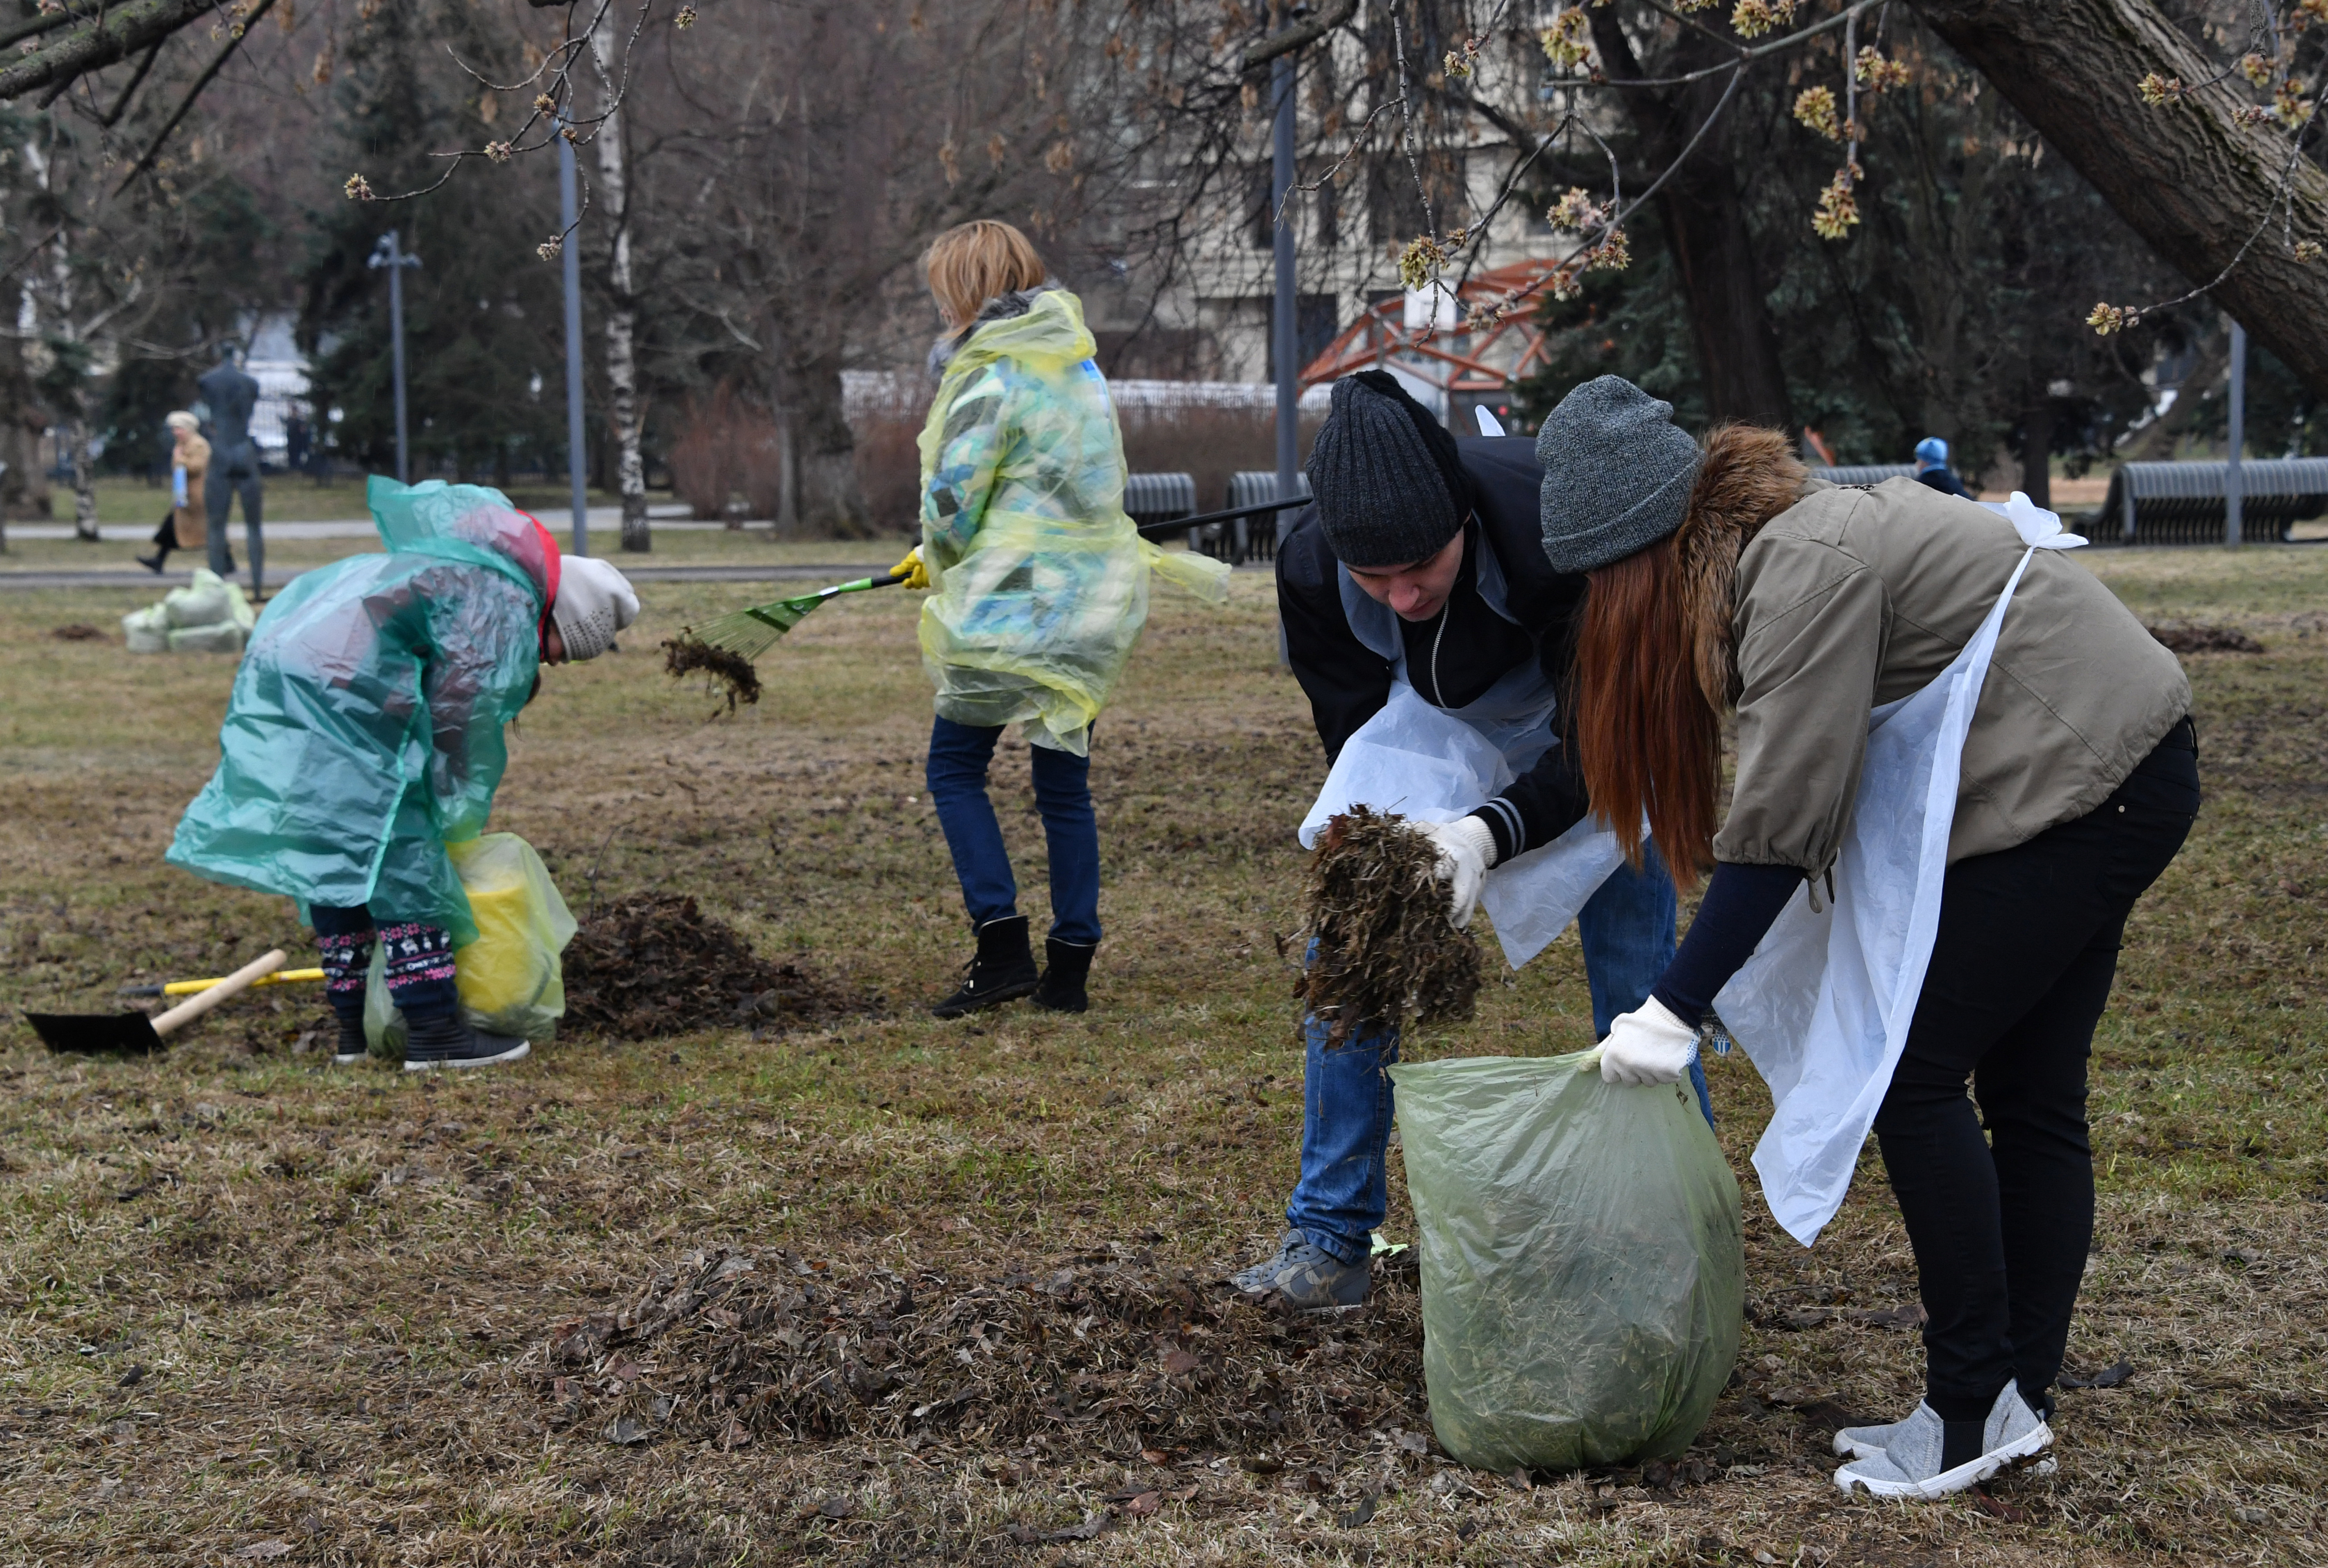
(1823, 1006)
(1435, 765)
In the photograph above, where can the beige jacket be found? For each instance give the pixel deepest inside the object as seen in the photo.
(191, 523)
(1856, 597)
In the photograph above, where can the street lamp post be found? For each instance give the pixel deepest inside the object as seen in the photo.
(571, 252)
(2234, 490)
(1285, 339)
(390, 253)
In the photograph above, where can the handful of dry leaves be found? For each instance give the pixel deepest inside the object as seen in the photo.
(727, 672)
(1385, 950)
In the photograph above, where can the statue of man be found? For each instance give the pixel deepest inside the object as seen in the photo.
(231, 395)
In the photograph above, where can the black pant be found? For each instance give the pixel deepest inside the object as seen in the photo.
(234, 471)
(2021, 970)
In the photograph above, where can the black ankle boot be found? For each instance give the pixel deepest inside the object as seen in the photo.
(1003, 968)
(1062, 989)
(450, 1040)
(351, 1047)
(153, 563)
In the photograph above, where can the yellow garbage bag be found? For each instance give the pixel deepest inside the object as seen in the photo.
(510, 977)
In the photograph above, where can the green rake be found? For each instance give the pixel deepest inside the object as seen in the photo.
(749, 632)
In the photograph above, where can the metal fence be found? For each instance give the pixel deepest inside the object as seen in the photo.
(2184, 503)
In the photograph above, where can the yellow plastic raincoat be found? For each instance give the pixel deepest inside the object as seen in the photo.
(1040, 580)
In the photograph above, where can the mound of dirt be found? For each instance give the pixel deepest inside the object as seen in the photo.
(653, 964)
(2205, 639)
(1104, 1349)
(1385, 949)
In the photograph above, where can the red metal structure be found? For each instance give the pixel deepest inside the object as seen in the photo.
(1464, 361)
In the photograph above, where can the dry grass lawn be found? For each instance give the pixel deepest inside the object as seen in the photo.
(253, 1307)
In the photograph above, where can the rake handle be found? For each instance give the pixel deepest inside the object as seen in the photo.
(201, 1003)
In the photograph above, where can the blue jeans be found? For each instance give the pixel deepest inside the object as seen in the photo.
(1628, 932)
(959, 755)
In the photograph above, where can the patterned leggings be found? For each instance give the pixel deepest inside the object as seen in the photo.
(419, 964)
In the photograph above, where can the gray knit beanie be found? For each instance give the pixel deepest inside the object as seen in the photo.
(1617, 473)
(1390, 487)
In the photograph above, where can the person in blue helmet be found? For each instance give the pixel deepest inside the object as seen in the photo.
(1932, 467)
(365, 734)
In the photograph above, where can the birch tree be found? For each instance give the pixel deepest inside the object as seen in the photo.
(611, 58)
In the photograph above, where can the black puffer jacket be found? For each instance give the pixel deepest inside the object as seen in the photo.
(1454, 657)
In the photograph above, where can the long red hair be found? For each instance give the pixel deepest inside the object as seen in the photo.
(1654, 669)
(1651, 743)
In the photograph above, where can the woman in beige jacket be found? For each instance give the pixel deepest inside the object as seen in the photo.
(1724, 579)
(186, 525)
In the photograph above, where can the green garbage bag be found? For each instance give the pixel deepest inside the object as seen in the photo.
(1583, 1267)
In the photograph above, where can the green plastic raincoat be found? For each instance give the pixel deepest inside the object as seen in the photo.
(365, 729)
(1040, 580)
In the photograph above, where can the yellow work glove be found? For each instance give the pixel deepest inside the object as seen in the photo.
(916, 574)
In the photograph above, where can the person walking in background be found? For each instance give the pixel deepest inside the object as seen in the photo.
(232, 396)
(297, 441)
(1932, 467)
(1040, 591)
(185, 526)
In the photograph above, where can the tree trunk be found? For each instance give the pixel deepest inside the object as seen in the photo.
(622, 308)
(2037, 448)
(2193, 184)
(84, 477)
(1706, 231)
(831, 503)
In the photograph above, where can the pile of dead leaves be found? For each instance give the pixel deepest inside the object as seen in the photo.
(1385, 950)
(1104, 1347)
(2185, 639)
(653, 964)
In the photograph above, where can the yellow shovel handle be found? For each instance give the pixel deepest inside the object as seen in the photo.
(281, 977)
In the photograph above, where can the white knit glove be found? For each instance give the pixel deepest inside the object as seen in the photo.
(1467, 848)
(1648, 1045)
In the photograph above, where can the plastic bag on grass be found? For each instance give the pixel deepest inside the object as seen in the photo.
(511, 979)
(1583, 1268)
(206, 601)
(224, 637)
(147, 630)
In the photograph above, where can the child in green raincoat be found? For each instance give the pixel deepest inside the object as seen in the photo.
(1040, 590)
(365, 734)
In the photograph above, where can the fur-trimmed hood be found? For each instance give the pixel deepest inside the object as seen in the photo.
(1749, 476)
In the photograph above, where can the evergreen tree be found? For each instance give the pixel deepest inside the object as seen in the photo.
(482, 325)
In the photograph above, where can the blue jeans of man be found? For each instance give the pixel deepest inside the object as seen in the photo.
(1628, 932)
(960, 756)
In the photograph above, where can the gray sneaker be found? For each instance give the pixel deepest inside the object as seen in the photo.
(1910, 1464)
(1864, 1443)
(1305, 1276)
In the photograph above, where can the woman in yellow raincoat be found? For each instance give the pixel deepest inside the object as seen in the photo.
(1040, 590)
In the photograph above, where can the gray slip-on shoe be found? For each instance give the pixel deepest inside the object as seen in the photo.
(1910, 1464)
(1860, 1443)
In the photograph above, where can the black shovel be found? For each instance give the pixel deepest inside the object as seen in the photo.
(93, 1032)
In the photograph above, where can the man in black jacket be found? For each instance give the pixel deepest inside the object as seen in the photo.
(1420, 561)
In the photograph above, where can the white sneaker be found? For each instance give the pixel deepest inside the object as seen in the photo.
(1910, 1464)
